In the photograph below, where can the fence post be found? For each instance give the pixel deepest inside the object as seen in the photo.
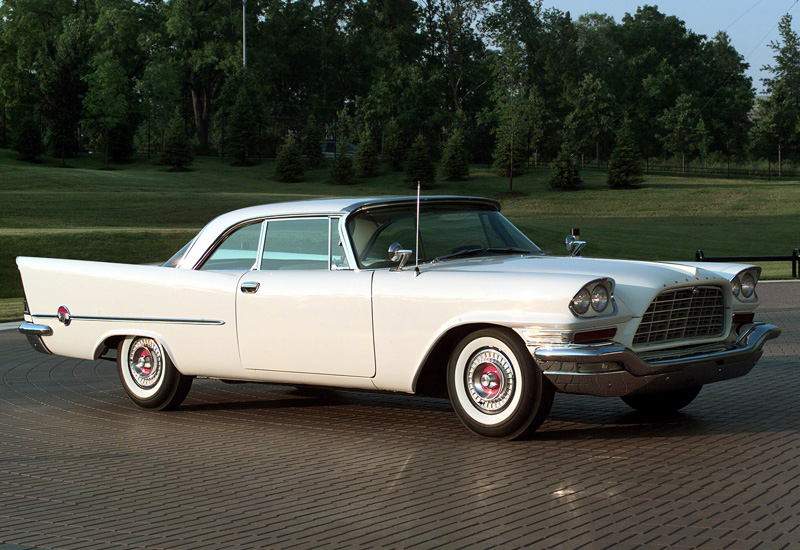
(699, 256)
(795, 262)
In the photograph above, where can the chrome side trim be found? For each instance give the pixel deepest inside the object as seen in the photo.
(35, 330)
(139, 320)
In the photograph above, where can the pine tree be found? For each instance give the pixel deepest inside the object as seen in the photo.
(393, 150)
(565, 174)
(624, 169)
(365, 161)
(242, 134)
(420, 167)
(28, 139)
(311, 143)
(454, 158)
(289, 163)
(177, 146)
(342, 170)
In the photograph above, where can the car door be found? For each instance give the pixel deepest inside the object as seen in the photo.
(303, 309)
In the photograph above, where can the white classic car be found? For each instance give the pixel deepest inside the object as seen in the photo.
(441, 297)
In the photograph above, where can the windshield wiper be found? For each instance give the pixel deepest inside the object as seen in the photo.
(490, 250)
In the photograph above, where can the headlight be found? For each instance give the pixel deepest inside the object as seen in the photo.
(599, 298)
(737, 286)
(748, 285)
(594, 298)
(581, 301)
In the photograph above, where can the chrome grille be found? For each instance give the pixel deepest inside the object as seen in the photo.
(683, 314)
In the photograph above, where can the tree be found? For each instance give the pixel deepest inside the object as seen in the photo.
(289, 163)
(342, 170)
(420, 167)
(590, 116)
(106, 99)
(311, 143)
(454, 158)
(393, 149)
(28, 139)
(177, 146)
(680, 124)
(242, 136)
(565, 174)
(625, 169)
(776, 122)
(365, 160)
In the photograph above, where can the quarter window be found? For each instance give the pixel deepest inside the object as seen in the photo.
(238, 251)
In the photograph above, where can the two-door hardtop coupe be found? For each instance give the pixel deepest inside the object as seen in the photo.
(438, 297)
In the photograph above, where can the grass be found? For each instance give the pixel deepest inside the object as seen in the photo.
(140, 213)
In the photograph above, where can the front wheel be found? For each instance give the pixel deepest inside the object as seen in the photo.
(662, 402)
(148, 375)
(495, 386)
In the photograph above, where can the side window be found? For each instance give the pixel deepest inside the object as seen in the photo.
(237, 252)
(338, 257)
(296, 244)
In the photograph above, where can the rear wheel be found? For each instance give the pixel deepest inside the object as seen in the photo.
(148, 375)
(495, 386)
(662, 402)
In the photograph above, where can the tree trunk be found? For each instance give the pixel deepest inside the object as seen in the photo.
(511, 168)
(780, 147)
(683, 163)
(597, 152)
(201, 106)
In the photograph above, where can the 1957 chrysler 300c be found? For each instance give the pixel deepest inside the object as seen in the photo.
(333, 293)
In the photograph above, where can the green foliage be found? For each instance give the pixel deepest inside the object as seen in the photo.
(365, 160)
(454, 158)
(393, 148)
(420, 167)
(565, 175)
(625, 167)
(509, 155)
(177, 146)
(342, 170)
(28, 139)
(289, 162)
(311, 143)
(242, 136)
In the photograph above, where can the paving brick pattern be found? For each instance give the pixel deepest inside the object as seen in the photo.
(259, 466)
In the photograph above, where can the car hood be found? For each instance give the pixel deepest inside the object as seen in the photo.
(637, 282)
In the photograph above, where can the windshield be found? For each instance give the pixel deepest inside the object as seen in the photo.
(443, 232)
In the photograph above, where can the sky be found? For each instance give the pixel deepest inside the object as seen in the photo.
(751, 24)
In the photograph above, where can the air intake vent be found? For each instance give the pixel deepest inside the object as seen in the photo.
(683, 314)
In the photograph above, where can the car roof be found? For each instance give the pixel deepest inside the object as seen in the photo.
(323, 207)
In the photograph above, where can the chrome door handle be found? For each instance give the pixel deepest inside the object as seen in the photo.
(250, 287)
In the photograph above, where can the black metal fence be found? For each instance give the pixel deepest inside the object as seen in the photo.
(700, 256)
(729, 171)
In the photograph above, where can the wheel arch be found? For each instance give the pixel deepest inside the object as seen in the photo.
(111, 340)
(431, 378)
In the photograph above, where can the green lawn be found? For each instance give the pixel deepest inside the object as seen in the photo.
(140, 213)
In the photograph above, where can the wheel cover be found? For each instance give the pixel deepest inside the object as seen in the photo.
(490, 380)
(145, 362)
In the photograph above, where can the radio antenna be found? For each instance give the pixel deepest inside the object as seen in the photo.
(416, 250)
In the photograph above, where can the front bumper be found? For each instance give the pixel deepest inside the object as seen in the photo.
(34, 334)
(612, 370)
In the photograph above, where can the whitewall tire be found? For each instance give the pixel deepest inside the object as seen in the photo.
(148, 375)
(495, 386)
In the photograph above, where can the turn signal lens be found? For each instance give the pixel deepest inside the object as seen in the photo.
(594, 335)
(581, 301)
(740, 318)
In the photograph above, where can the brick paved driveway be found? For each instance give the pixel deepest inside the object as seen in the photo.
(254, 466)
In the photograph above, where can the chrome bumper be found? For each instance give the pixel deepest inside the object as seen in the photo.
(34, 334)
(613, 370)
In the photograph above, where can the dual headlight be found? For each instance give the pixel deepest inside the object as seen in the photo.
(595, 298)
(744, 284)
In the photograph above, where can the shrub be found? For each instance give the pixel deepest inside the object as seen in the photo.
(289, 162)
(624, 169)
(365, 161)
(393, 150)
(28, 139)
(565, 174)
(311, 143)
(177, 145)
(342, 169)
(454, 158)
(420, 167)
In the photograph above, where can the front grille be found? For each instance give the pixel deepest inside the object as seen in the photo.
(683, 314)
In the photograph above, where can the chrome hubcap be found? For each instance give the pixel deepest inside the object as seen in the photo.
(490, 380)
(145, 362)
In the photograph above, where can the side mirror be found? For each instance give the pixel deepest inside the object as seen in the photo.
(399, 255)
(574, 244)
